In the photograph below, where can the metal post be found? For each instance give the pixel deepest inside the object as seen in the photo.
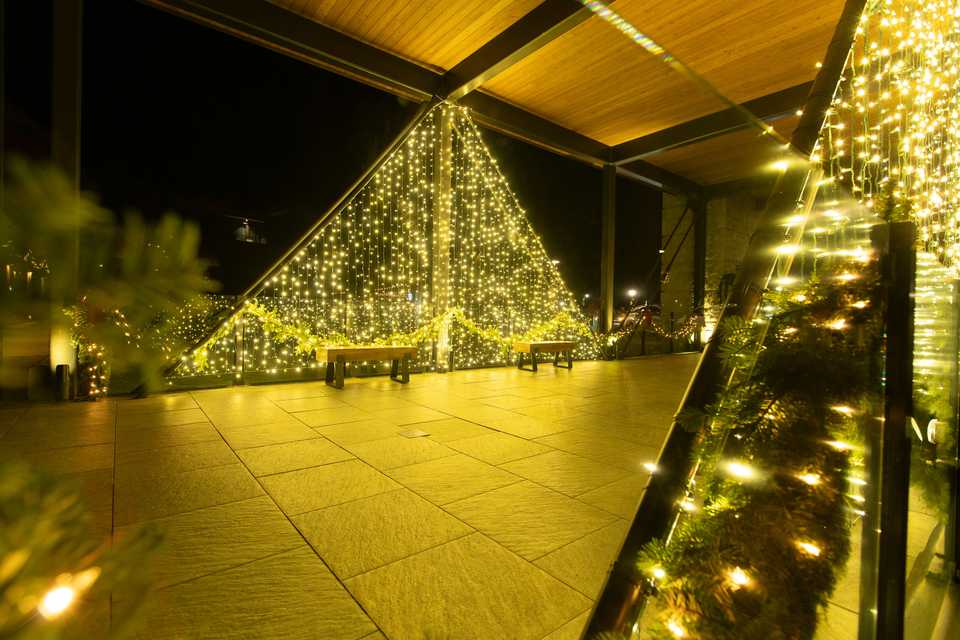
(66, 83)
(443, 176)
(951, 552)
(608, 222)
(699, 261)
(899, 271)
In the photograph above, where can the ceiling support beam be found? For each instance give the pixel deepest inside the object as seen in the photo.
(545, 23)
(273, 27)
(769, 108)
(291, 34)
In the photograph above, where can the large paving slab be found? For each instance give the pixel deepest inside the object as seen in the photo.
(302, 511)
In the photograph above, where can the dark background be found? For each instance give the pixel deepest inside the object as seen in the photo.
(180, 117)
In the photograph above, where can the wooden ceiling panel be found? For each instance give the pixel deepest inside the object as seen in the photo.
(734, 156)
(597, 82)
(433, 33)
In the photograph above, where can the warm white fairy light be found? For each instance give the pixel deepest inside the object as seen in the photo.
(892, 133)
(809, 548)
(811, 479)
(740, 470)
(739, 578)
(408, 260)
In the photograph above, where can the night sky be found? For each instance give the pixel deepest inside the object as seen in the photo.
(180, 117)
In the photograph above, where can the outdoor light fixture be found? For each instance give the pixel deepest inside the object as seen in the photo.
(632, 293)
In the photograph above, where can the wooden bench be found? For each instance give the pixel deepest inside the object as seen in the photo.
(338, 357)
(555, 347)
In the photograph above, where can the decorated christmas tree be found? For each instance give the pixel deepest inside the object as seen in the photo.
(434, 251)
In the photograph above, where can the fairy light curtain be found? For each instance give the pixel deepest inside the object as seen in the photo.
(434, 251)
(891, 135)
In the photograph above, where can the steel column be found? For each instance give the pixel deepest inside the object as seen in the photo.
(899, 269)
(699, 259)
(608, 222)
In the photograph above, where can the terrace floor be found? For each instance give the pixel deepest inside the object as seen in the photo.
(301, 511)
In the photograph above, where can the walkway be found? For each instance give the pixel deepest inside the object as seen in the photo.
(479, 504)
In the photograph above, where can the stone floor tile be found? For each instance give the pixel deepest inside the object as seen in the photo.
(143, 439)
(339, 415)
(291, 595)
(310, 404)
(253, 416)
(408, 415)
(620, 497)
(452, 429)
(375, 636)
(573, 630)
(585, 563)
(469, 588)
(452, 478)
(156, 403)
(212, 539)
(364, 534)
(528, 519)
(360, 431)
(376, 401)
(43, 435)
(294, 391)
(262, 435)
(836, 623)
(498, 448)
(145, 496)
(506, 401)
(603, 447)
(290, 456)
(140, 420)
(186, 457)
(398, 451)
(95, 488)
(67, 460)
(565, 472)
(319, 487)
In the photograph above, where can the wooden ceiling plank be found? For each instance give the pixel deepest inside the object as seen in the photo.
(770, 107)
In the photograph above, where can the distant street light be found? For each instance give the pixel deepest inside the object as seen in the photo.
(632, 293)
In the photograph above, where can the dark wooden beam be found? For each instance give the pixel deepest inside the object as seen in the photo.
(270, 26)
(658, 178)
(289, 33)
(501, 116)
(770, 107)
(547, 22)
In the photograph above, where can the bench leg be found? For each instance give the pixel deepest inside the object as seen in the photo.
(394, 368)
(533, 358)
(520, 360)
(405, 370)
(329, 376)
(569, 359)
(556, 358)
(338, 372)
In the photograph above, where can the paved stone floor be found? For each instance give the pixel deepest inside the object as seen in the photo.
(301, 511)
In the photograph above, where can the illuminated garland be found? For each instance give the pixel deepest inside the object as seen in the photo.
(307, 343)
(434, 251)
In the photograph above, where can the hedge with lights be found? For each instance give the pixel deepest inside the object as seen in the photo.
(767, 524)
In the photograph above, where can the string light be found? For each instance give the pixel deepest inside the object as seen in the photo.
(808, 548)
(740, 470)
(435, 251)
(739, 578)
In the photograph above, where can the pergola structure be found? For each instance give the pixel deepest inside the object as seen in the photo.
(556, 75)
